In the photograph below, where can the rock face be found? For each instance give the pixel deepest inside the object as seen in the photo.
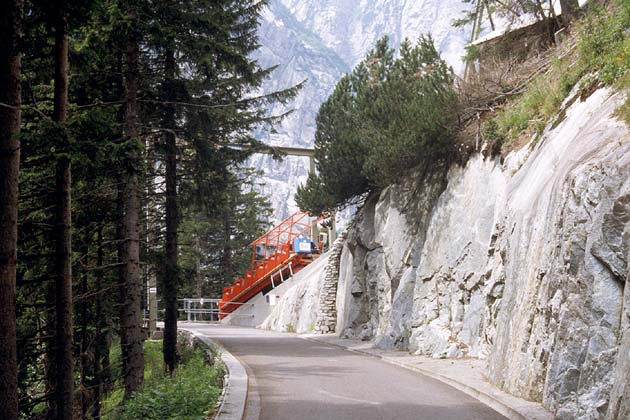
(379, 262)
(523, 263)
(563, 260)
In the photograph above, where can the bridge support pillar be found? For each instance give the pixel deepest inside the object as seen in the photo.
(311, 164)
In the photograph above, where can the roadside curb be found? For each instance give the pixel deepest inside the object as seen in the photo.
(235, 392)
(516, 409)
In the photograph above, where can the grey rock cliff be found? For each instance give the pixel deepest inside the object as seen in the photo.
(522, 263)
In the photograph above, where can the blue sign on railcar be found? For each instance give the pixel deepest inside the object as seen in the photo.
(302, 246)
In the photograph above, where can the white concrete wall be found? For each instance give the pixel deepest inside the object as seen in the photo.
(260, 307)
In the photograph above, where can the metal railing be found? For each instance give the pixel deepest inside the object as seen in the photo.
(207, 310)
(271, 253)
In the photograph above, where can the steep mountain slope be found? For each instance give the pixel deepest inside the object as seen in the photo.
(320, 40)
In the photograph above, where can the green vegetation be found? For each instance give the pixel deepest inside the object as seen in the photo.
(389, 114)
(601, 57)
(215, 239)
(130, 111)
(190, 394)
(531, 112)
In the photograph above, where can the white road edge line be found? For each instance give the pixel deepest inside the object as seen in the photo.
(235, 395)
(341, 397)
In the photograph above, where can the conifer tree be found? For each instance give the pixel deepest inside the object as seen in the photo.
(131, 282)
(137, 78)
(208, 235)
(390, 113)
(204, 109)
(409, 115)
(10, 102)
(62, 363)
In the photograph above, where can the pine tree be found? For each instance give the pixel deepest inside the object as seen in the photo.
(10, 102)
(215, 247)
(409, 115)
(204, 108)
(62, 369)
(127, 89)
(131, 282)
(390, 113)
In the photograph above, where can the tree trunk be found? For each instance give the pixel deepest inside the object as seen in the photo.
(539, 10)
(171, 275)
(120, 235)
(99, 340)
(84, 339)
(490, 19)
(152, 234)
(198, 291)
(570, 9)
(63, 364)
(226, 255)
(131, 288)
(10, 91)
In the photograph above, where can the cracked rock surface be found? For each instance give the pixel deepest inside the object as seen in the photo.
(522, 263)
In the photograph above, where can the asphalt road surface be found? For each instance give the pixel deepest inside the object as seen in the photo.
(295, 379)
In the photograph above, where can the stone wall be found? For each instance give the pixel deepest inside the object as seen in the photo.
(326, 321)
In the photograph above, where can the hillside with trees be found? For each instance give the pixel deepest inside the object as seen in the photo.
(119, 123)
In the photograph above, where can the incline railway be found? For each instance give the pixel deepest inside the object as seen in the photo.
(266, 268)
(276, 256)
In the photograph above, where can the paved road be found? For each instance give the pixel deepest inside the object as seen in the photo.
(295, 379)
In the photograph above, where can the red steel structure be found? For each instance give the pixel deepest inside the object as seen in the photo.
(272, 255)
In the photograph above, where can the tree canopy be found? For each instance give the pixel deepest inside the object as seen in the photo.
(394, 112)
(127, 175)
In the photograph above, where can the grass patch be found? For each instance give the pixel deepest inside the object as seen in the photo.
(623, 112)
(602, 51)
(191, 394)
